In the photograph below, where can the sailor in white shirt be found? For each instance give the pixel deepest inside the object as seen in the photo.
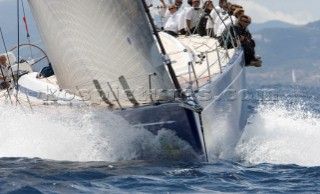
(214, 14)
(4, 72)
(204, 16)
(171, 26)
(165, 14)
(193, 16)
(182, 17)
(230, 19)
(227, 20)
(221, 18)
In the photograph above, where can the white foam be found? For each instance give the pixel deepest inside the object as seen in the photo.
(78, 134)
(281, 135)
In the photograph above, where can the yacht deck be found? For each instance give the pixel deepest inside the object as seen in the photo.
(209, 56)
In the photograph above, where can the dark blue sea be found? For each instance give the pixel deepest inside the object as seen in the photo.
(69, 151)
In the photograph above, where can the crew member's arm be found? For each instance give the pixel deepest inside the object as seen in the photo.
(163, 3)
(188, 23)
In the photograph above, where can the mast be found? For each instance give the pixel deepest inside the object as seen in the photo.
(163, 50)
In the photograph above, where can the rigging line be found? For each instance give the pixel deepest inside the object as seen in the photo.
(223, 20)
(18, 69)
(233, 35)
(4, 79)
(26, 25)
(5, 48)
(202, 11)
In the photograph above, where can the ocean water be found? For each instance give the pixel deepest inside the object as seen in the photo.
(69, 150)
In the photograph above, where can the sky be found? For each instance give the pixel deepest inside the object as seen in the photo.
(291, 11)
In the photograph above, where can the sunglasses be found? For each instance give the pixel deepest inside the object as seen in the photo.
(171, 8)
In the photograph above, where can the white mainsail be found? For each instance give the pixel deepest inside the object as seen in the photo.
(100, 40)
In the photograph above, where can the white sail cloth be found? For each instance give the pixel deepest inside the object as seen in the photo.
(99, 40)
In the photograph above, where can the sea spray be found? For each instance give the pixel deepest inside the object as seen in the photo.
(281, 133)
(83, 134)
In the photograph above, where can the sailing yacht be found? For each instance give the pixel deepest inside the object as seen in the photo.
(293, 76)
(108, 54)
